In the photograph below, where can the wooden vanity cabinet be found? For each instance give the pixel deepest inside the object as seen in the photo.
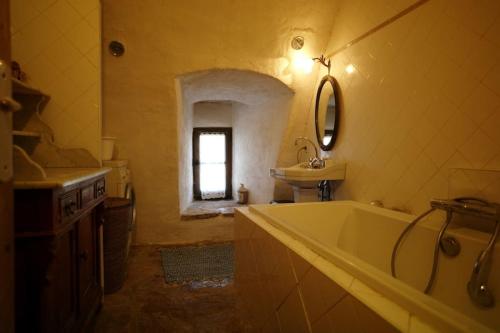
(58, 262)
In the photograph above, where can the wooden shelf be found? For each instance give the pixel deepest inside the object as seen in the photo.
(26, 134)
(19, 87)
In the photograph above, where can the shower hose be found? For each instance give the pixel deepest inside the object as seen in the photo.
(408, 228)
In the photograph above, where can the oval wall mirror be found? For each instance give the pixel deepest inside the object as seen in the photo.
(327, 112)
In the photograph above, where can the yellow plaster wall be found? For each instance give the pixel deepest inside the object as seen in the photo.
(165, 40)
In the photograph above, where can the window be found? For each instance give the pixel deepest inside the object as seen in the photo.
(212, 163)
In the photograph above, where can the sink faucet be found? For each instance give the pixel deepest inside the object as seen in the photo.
(316, 162)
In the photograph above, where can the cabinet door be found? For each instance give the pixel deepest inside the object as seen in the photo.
(88, 264)
(63, 294)
(6, 224)
(46, 293)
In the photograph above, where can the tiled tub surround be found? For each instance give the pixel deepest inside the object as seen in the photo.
(424, 97)
(308, 271)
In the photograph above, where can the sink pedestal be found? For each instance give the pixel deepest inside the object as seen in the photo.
(305, 194)
(305, 179)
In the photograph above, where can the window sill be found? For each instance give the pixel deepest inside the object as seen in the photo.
(205, 209)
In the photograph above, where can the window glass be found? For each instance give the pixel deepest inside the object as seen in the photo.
(212, 165)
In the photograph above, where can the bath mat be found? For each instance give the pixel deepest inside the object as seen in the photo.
(199, 265)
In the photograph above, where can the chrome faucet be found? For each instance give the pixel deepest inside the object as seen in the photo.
(477, 287)
(316, 162)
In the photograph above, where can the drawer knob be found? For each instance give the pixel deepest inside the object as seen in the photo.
(70, 208)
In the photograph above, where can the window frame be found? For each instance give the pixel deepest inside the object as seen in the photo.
(228, 132)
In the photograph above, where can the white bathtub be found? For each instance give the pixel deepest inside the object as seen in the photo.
(359, 239)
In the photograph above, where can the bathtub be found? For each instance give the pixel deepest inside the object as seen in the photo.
(358, 239)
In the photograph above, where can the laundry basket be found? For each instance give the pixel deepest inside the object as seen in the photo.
(117, 217)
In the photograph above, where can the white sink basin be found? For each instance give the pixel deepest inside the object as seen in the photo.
(300, 175)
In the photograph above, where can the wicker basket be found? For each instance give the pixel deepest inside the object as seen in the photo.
(117, 215)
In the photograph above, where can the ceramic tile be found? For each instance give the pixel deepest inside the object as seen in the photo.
(43, 5)
(336, 274)
(370, 321)
(386, 309)
(62, 15)
(22, 12)
(300, 265)
(58, 65)
(483, 101)
(492, 79)
(94, 18)
(322, 325)
(477, 149)
(319, 293)
(83, 36)
(62, 54)
(291, 314)
(440, 70)
(84, 6)
(282, 280)
(343, 317)
(483, 56)
(272, 325)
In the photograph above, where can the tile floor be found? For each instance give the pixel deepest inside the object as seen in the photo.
(147, 304)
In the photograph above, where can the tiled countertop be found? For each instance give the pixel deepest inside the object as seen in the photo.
(61, 177)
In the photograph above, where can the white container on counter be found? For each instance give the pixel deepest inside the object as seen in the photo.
(108, 145)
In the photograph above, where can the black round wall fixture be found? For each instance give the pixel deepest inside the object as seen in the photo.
(116, 48)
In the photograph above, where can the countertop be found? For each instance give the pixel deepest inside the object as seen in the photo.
(61, 177)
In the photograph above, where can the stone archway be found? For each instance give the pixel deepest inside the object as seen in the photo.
(260, 106)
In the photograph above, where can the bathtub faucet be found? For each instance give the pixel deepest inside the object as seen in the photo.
(469, 206)
(316, 162)
(477, 287)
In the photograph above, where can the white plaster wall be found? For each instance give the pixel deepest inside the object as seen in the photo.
(213, 114)
(185, 146)
(165, 40)
(260, 108)
(258, 135)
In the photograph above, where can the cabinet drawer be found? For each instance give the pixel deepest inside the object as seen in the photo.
(87, 195)
(68, 204)
(100, 188)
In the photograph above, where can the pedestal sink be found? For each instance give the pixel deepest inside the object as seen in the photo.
(305, 179)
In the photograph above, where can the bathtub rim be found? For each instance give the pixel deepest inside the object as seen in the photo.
(430, 310)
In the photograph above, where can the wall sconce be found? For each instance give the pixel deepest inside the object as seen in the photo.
(325, 62)
(350, 69)
(301, 62)
(297, 42)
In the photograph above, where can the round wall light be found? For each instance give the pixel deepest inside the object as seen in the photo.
(297, 42)
(116, 48)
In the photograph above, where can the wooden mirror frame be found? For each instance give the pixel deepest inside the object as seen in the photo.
(330, 79)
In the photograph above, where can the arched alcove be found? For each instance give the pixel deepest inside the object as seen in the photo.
(259, 105)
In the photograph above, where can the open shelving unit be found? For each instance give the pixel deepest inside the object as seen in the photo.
(34, 146)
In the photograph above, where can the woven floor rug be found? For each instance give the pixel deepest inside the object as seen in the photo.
(212, 263)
